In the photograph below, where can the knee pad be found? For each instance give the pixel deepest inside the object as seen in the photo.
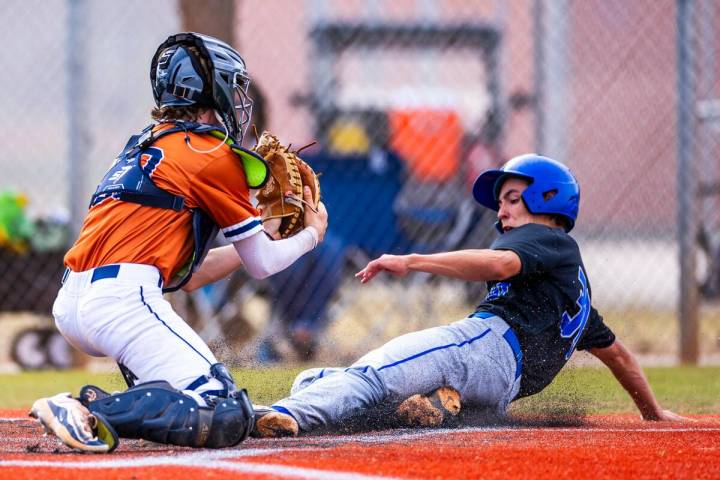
(233, 420)
(157, 412)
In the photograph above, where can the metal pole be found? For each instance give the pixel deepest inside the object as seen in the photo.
(687, 188)
(539, 75)
(551, 64)
(79, 137)
(707, 111)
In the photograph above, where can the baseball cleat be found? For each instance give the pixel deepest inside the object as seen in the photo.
(74, 425)
(431, 410)
(270, 423)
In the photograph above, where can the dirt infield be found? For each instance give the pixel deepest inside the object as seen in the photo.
(617, 446)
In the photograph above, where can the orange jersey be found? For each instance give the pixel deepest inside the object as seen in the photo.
(115, 231)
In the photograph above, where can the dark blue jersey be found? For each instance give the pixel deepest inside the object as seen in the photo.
(547, 304)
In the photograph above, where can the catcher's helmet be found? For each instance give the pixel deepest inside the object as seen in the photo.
(194, 69)
(545, 175)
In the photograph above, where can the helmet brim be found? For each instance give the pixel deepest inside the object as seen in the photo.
(487, 186)
(484, 188)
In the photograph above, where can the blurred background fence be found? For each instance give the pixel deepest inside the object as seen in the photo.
(409, 101)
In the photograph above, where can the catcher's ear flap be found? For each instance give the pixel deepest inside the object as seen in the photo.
(256, 168)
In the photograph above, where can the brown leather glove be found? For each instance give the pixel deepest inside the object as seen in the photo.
(282, 195)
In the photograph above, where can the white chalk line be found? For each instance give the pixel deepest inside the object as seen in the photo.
(207, 460)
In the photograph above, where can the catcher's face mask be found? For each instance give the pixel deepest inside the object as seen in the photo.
(242, 102)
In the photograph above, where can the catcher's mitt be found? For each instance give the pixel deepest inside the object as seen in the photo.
(282, 195)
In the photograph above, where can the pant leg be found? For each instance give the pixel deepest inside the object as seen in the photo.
(467, 355)
(136, 326)
(65, 314)
(307, 377)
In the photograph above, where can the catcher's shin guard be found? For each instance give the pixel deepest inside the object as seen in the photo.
(157, 412)
(233, 420)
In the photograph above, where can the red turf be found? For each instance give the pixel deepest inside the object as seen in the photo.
(608, 446)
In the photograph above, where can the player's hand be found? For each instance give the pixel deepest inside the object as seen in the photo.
(394, 264)
(272, 228)
(318, 219)
(667, 416)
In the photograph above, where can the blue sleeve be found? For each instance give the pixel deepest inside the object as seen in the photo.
(540, 248)
(597, 334)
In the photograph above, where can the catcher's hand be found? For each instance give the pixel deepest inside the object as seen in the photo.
(284, 202)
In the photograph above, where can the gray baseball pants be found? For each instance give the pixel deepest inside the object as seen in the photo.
(476, 356)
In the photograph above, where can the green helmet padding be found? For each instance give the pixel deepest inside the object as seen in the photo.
(256, 168)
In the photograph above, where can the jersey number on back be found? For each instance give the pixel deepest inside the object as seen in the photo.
(152, 157)
(573, 326)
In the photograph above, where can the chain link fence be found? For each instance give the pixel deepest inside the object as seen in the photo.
(409, 102)
(76, 84)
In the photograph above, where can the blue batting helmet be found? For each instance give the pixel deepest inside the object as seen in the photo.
(553, 189)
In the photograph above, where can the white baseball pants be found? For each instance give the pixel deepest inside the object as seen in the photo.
(119, 312)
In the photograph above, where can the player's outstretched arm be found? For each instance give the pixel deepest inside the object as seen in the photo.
(218, 264)
(628, 372)
(470, 265)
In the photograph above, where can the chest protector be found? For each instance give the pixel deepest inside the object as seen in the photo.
(128, 180)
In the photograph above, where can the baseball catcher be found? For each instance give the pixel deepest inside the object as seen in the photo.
(537, 312)
(170, 191)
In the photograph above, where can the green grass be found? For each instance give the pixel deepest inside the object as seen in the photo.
(691, 390)
(20, 390)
